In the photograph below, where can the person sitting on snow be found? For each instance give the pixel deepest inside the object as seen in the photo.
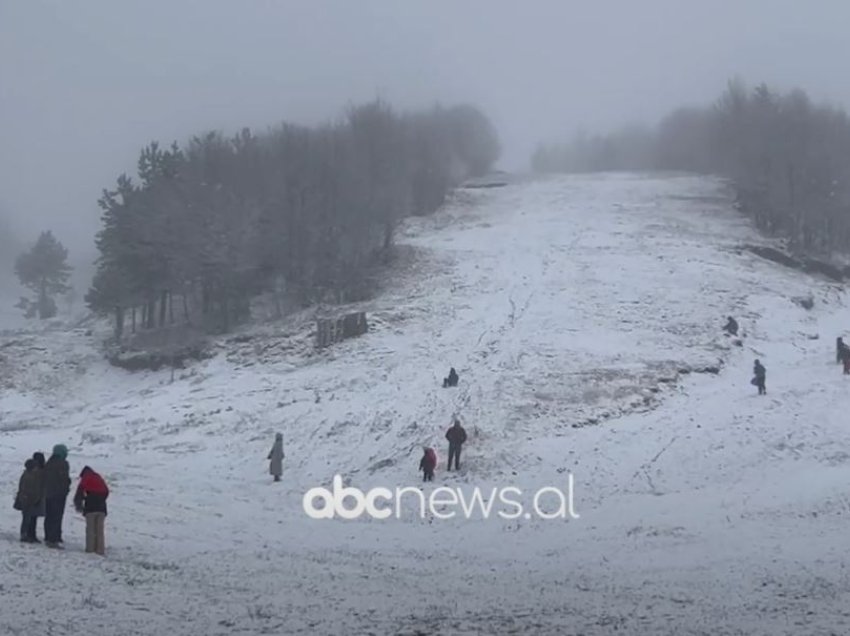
(731, 326)
(452, 379)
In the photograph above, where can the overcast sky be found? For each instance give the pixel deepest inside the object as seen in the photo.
(84, 84)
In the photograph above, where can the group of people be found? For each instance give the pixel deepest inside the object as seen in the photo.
(456, 435)
(43, 492)
(759, 372)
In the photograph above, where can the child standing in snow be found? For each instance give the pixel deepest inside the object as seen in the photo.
(427, 464)
(276, 457)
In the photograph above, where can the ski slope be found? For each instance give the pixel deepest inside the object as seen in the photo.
(579, 313)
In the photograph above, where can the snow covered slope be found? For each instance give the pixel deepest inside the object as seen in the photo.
(562, 303)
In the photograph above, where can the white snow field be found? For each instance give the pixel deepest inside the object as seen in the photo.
(568, 306)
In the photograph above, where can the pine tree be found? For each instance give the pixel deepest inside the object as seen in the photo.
(45, 271)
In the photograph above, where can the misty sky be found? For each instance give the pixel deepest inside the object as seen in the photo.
(84, 84)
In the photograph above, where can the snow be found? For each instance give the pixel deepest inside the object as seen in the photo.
(704, 508)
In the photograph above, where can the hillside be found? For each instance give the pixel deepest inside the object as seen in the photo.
(583, 315)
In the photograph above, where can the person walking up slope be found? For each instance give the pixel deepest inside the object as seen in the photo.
(57, 484)
(276, 456)
(456, 436)
(90, 499)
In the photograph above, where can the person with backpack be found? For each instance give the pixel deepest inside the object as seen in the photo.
(57, 485)
(427, 464)
(760, 375)
(456, 436)
(29, 500)
(276, 456)
(90, 500)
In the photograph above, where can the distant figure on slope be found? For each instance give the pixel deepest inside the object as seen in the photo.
(452, 379)
(29, 499)
(844, 357)
(456, 436)
(731, 326)
(90, 500)
(427, 464)
(57, 484)
(841, 350)
(276, 456)
(760, 375)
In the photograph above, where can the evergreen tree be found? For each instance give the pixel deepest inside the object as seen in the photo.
(45, 271)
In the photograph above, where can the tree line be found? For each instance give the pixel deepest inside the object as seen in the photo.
(298, 210)
(787, 157)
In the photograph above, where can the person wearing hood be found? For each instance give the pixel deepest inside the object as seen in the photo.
(90, 500)
(428, 463)
(57, 485)
(29, 498)
(276, 456)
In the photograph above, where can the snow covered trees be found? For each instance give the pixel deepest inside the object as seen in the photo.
(44, 270)
(788, 158)
(300, 210)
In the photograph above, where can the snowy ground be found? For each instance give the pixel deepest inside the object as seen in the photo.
(704, 509)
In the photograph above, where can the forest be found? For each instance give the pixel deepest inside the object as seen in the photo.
(299, 211)
(787, 158)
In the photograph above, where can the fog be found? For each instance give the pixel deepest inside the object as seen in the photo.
(84, 85)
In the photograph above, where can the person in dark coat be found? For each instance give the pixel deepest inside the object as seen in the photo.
(731, 326)
(276, 456)
(90, 500)
(841, 350)
(57, 485)
(427, 464)
(452, 379)
(29, 498)
(760, 376)
(456, 436)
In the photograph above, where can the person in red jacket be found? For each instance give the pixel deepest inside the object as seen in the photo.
(427, 464)
(90, 500)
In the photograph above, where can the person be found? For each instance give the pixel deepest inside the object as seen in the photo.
(427, 464)
(28, 500)
(456, 436)
(845, 360)
(731, 326)
(276, 456)
(57, 484)
(760, 374)
(40, 463)
(840, 350)
(90, 500)
(452, 379)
